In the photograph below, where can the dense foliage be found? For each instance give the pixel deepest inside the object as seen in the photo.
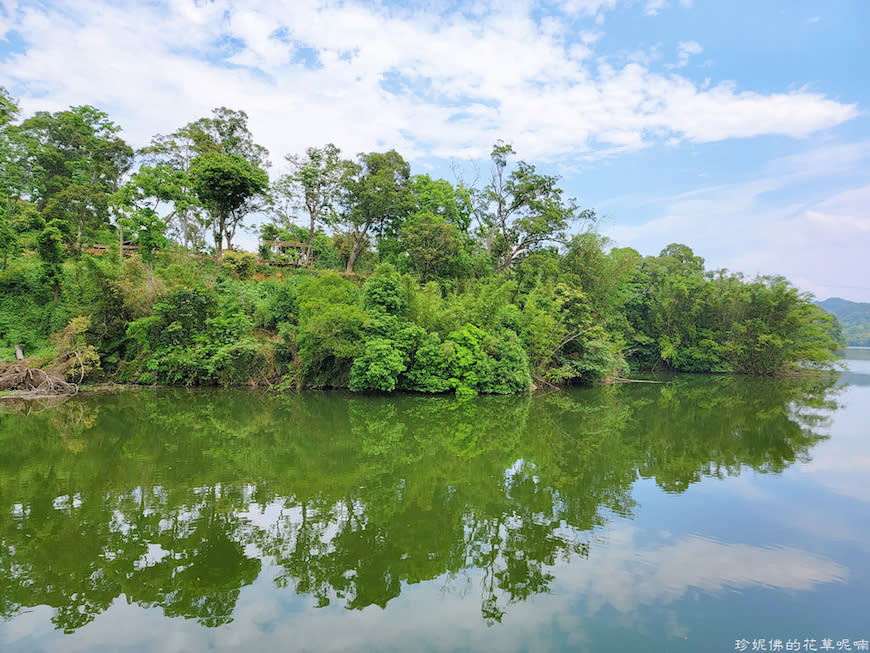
(390, 281)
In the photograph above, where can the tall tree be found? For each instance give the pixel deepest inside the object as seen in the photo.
(313, 185)
(521, 210)
(225, 132)
(8, 235)
(8, 107)
(75, 159)
(224, 183)
(431, 243)
(138, 205)
(10, 185)
(167, 162)
(50, 246)
(379, 199)
(444, 200)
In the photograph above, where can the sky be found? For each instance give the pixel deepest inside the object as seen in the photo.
(739, 128)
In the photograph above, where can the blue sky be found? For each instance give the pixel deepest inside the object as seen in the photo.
(738, 128)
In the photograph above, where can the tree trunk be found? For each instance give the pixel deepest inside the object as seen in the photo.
(310, 243)
(230, 230)
(352, 258)
(18, 353)
(219, 239)
(357, 245)
(120, 243)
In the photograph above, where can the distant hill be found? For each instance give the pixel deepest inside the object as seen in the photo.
(855, 318)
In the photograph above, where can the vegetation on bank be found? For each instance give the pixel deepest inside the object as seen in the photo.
(393, 282)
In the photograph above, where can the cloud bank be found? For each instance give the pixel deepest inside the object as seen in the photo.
(369, 76)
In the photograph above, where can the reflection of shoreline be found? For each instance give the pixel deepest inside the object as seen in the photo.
(857, 372)
(371, 494)
(841, 464)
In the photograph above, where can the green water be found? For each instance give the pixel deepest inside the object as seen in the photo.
(641, 517)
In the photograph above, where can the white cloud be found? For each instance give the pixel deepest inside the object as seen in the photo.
(653, 7)
(461, 82)
(7, 12)
(587, 7)
(626, 576)
(685, 49)
(841, 222)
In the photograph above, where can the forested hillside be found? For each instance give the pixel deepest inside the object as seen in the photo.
(854, 317)
(120, 265)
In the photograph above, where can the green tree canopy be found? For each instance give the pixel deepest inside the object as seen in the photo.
(379, 199)
(74, 160)
(521, 210)
(314, 185)
(224, 183)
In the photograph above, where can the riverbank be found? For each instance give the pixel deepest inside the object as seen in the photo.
(183, 322)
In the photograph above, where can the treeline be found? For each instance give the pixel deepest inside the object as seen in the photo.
(392, 281)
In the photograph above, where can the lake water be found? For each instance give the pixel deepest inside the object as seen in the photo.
(705, 514)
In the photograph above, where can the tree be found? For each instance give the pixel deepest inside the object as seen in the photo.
(224, 183)
(12, 176)
(8, 107)
(172, 156)
(51, 250)
(314, 184)
(227, 131)
(167, 191)
(77, 159)
(440, 198)
(137, 205)
(82, 206)
(432, 244)
(166, 176)
(8, 235)
(379, 198)
(435, 238)
(522, 210)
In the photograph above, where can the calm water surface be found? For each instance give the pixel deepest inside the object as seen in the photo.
(699, 515)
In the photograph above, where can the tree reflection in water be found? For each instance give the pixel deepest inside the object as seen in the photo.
(153, 495)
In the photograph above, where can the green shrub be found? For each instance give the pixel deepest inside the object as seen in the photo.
(241, 265)
(382, 291)
(428, 371)
(237, 363)
(379, 367)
